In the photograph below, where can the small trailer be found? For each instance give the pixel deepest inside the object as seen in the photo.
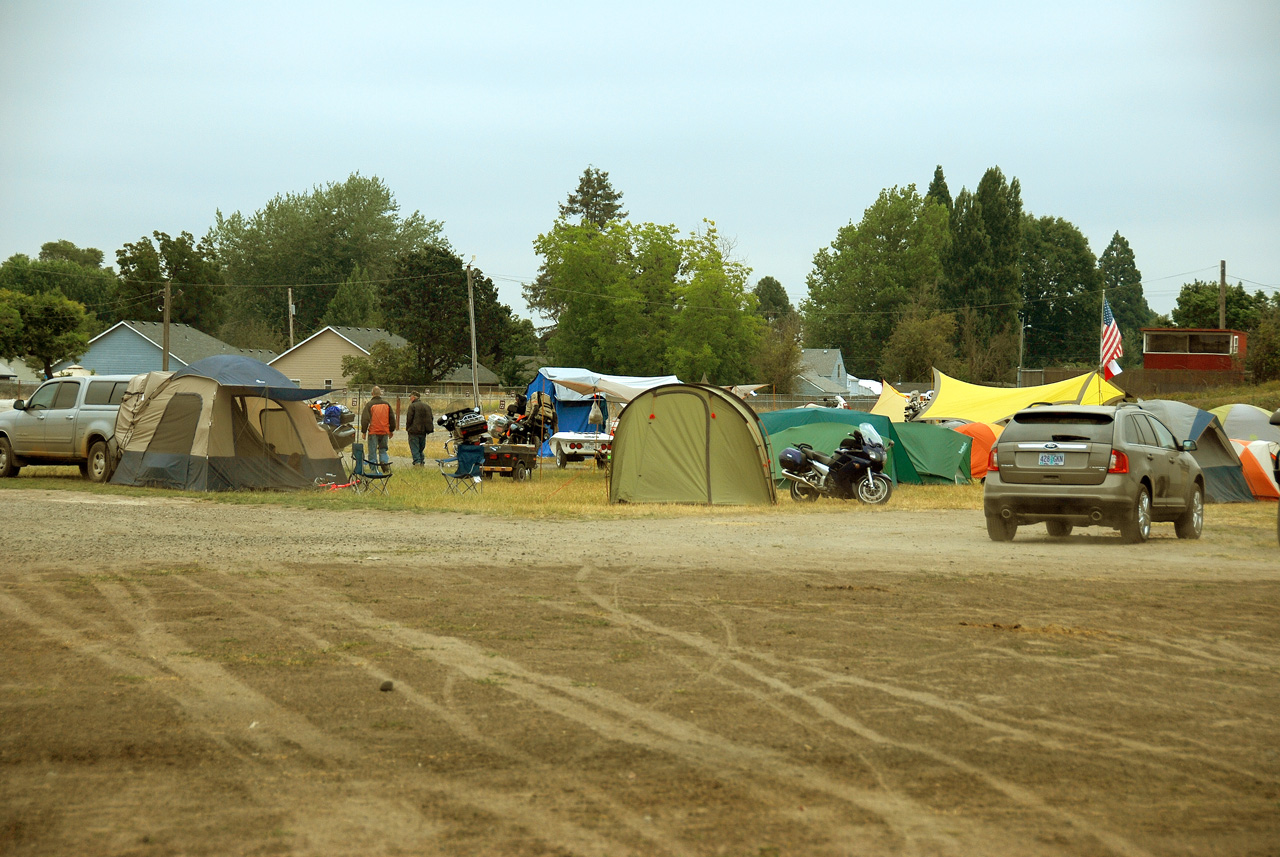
(569, 446)
(513, 460)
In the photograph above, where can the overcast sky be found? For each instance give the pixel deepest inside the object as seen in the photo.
(779, 121)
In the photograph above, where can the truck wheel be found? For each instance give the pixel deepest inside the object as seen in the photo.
(7, 467)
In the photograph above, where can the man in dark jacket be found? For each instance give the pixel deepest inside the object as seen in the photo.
(417, 422)
(378, 422)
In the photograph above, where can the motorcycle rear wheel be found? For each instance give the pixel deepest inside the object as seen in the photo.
(876, 492)
(803, 492)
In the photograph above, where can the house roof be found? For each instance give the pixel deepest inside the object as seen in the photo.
(361, 337)
(823, 384)
(461, 374)
(185, 342)
(820, 361)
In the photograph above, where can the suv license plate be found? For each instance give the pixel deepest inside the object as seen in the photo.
(1053, 459)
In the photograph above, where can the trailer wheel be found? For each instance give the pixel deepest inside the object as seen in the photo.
(519, 472)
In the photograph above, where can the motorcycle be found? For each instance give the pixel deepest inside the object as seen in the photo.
(862, 455)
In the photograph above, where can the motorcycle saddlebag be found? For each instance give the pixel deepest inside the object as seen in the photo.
(792, 460)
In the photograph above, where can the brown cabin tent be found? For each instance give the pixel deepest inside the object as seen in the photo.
(689, 443)
(224, 423)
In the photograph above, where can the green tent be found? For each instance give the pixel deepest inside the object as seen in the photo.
(920, 454)
(689, 443)
(823, 429)
(939, 455)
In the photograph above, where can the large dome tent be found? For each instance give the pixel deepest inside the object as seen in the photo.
(223, 423)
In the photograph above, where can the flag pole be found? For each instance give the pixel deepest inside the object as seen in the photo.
(1102, 330)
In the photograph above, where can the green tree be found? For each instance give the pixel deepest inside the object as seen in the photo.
(871, 273)
(314, 242)
(921, 341)
(1061, 295)
(64, 251)
(191, 270)
(1263, 359)
(94, 287)
(1198, 306)
(938, 191)
(983, 275)
(715, 332)
(48, 329)
(772, 301)
(426, 302)
(385, 364)
(354, 304)
(1123, 282)
(595, 200)
(777, 361)
(620, 278)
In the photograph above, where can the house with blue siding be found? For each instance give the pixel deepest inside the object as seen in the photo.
(134, 347)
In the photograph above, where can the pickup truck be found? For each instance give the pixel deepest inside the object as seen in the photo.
(66, 421)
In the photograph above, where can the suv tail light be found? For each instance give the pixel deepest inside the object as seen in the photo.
(1119, 462)
(991, 460)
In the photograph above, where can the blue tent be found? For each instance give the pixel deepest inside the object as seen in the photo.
(573, 391)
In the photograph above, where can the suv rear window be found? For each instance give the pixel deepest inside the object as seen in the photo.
(1057, 425)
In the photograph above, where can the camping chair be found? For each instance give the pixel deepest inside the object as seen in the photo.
(466, 477)
(369, 474)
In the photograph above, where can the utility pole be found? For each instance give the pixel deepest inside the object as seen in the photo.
(1222, 295)
(471, 304)
(168, 299)
(291, 317)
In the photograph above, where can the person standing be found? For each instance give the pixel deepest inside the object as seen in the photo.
(417, 423)
(378, 422)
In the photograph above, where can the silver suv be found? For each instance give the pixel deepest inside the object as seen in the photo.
(1075, 465)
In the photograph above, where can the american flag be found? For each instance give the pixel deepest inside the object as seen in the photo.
(1111, 346)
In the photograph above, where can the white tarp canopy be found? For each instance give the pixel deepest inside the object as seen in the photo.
(572, 384)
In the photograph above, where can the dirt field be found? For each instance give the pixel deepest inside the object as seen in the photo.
(190, 677)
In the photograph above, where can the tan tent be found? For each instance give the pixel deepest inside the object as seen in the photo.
(689, 443)
(223, 423)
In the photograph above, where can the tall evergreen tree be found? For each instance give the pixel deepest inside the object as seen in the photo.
(1123, 282)
(595, 200)
(938, 191)
(983, 275)
(354, 304)
(1060, 288)
(772, 300)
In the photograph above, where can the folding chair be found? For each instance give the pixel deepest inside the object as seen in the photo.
(467, 476)
(368, 474)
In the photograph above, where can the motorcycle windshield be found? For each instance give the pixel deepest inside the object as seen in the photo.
(870, 435)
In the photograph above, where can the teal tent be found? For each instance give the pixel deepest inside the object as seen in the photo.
(921, 453)
(939, 455)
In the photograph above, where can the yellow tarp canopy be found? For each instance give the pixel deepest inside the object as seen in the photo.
(890, 403)
(957, 400)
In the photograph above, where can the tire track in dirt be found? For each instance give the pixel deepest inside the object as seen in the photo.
(466, 728)
(206, 691)
(918, 827)
(834, 716)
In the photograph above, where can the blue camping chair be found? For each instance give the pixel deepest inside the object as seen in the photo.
(368, 475)
(466, 477)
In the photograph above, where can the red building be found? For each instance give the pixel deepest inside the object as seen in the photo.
(1192, 348)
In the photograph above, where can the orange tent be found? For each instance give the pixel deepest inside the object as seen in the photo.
(1257, 458)
(984, 437)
